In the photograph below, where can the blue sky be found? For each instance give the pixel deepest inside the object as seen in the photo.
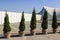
(27, 5)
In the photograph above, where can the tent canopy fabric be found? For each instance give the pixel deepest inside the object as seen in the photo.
(50, 12)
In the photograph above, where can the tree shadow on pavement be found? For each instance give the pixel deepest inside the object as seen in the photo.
(1, 36)
(28, 35)
(39, 33)
(14, 35)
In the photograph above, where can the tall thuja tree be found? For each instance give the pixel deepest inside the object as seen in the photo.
(44, 24)
(33, 22)
(54, 22)
(22, 25)
(7, 28)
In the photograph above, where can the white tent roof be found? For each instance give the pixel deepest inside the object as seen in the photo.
(50, 12)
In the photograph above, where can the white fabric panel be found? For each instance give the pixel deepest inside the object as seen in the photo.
(38, 17)
(16, 17)
(27, 17)
(2, 17)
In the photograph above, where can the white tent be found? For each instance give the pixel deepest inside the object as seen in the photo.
(50, 12)
(16, 17)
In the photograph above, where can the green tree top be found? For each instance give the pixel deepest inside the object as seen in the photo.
(33, 20)
(22, 23)
(44, 24)
(54, 20)
(6, 23)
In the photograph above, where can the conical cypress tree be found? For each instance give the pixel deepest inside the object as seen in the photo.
(44, 24)
(54, 22)
(33, 20)
(22, 23)
(7, 27)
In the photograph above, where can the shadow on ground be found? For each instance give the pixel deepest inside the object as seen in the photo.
(1, 36)
(16, 35)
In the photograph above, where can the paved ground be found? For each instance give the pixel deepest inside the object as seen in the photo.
(38, 36)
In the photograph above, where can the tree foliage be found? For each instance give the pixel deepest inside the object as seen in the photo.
(54, 20)
(7, 27)
(44, 24)
(33, 20)
(22, 23)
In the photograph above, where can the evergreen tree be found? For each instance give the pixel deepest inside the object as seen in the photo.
(44, 24)
(33, 20)
(6, 24)
(54, 21)
(22, 23)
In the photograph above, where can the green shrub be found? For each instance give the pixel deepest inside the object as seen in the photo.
(22, 23)
(33, 20)
(54, 20)
(6, 24)
(44, 24)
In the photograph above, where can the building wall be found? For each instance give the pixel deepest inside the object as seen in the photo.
(16, 17)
